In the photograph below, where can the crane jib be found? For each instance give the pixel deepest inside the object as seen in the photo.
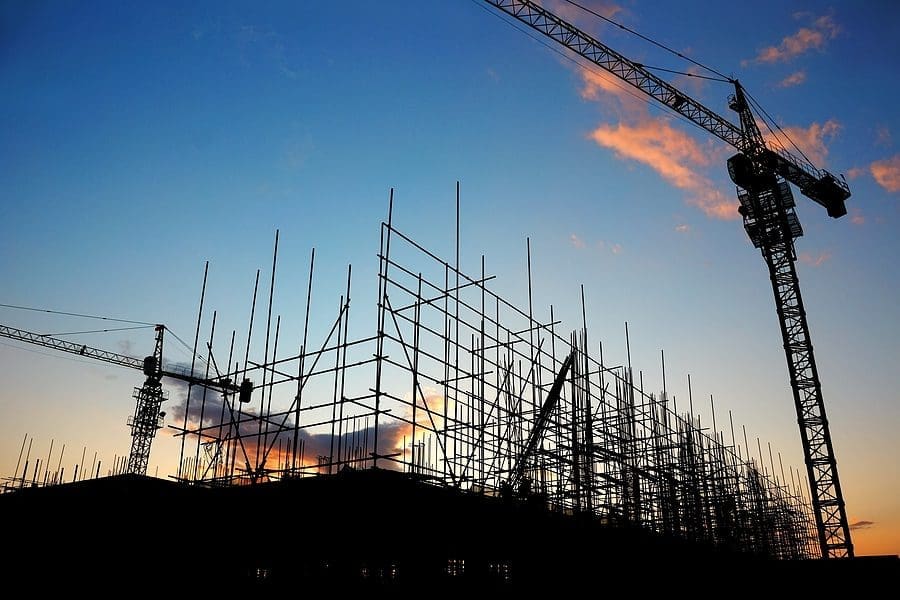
(818, 185)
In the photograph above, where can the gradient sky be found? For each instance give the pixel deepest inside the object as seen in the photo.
(139, 140)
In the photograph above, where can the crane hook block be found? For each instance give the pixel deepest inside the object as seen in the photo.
(246, 391)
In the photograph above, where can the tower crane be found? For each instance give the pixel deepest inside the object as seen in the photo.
(761, 174)
(147, 418)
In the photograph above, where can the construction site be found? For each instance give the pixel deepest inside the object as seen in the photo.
(462, 437)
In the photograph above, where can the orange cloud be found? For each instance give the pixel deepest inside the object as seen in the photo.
(656, 144)
(793, 79)
(429, 418)
(713, 202)
(856, 217)
(599, 85)
(887, 173)
(815, 260)
(811, 140)
(855, 172)
(815, 38)
(671, 153)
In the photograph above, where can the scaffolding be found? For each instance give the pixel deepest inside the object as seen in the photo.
(451, 389)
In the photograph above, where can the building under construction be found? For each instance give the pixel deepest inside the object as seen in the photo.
(443, 444)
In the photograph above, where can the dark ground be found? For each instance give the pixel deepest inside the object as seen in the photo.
(359, 529)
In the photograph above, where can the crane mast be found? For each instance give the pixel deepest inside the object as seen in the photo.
(147, 418)
(767, 208)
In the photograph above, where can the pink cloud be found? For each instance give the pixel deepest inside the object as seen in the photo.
(793, 79)
(855, 172)
(856, 217)
(576, 241)
(811, 140)
(887, 173)
(713, 202)
(882, 136)
(657, 144)
(816, 260)
(683, 228)
(599, 86)
(674, 155)
(806, 38)
(611, 247)
(653, 141)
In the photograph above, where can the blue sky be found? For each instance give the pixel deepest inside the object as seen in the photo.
(138, 141)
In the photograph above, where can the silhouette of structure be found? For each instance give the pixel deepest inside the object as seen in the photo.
(436, 449)
(460, 389)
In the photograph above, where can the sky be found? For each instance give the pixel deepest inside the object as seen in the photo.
(138, 141)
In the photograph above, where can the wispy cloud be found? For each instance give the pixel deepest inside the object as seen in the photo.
(602, 246)
(882, 136)
(815, 260)
(813, 37)
(611, 247)
(856, 217)
(887, 173)
(669, 151)
(599, 86)
(273, 447)
(793, 79)
(683, 228)
(861, 525)
(811, 140)
(674, 155)
(855, 172)
(653, 141)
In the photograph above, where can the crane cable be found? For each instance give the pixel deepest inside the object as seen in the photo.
(141, 324)
(627, 89)
(97, 331)
(70, 314)
(652, 41)
(766, 118)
